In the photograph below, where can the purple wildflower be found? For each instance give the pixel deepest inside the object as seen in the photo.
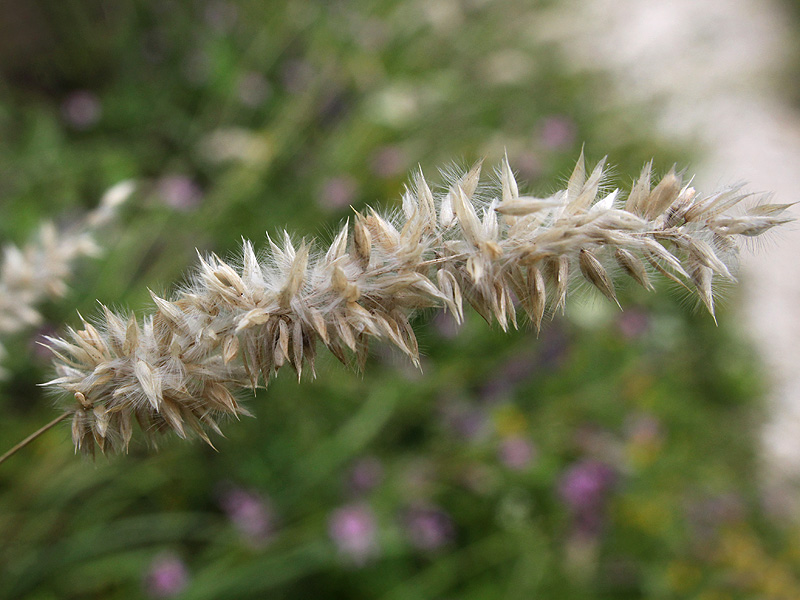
(584, 488)
(389, 161)
(365, 474)
(516, 453)
(179, 192)
(81, 109)
(508, 376)
(166, 576)
(558, 132)
(529, 164)
(250, 513)
(338, 192)
(644, 429)
(352, 528)
(428, 528)
(633, 324)
(465, 420)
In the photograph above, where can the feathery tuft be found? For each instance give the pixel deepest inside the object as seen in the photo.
(180, 367)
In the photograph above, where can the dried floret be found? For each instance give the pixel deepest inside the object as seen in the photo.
(235, 326)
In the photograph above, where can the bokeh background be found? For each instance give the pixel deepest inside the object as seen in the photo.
(617, 455)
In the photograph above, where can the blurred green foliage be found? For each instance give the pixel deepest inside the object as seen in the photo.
(612, 457)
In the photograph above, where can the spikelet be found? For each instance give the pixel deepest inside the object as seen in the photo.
(179, 368)
(42, 267)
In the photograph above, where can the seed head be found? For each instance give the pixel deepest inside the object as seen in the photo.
(179, 368)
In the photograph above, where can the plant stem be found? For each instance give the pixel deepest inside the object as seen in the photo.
(32, 437)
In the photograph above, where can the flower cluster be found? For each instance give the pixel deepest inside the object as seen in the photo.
(237, 324)
(40, 268)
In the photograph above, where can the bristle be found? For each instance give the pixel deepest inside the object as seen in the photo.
(238, 323)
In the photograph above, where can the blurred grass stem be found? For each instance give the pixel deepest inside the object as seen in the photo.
(33, 436)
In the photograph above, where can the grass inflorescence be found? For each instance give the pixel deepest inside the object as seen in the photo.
(238, 322)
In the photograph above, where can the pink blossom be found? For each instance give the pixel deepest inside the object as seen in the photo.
(643, 429)
(166, 577)
(338, 192)
(389, 161)
(428, 528)
(365, 474)
(558, 132)
(529, 164)
(584, 487)
(81, 109)
(352, 528)
(516, 453)
(467, 421)
(250, 513)
(633, 323)
(179, 192)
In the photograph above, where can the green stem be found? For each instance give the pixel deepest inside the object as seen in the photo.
(32, 437)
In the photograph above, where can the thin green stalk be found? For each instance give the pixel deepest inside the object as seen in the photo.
(33, 436)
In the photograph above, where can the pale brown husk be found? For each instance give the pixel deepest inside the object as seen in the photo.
(179, 368)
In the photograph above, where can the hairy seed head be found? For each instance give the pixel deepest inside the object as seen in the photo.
(179, 368)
